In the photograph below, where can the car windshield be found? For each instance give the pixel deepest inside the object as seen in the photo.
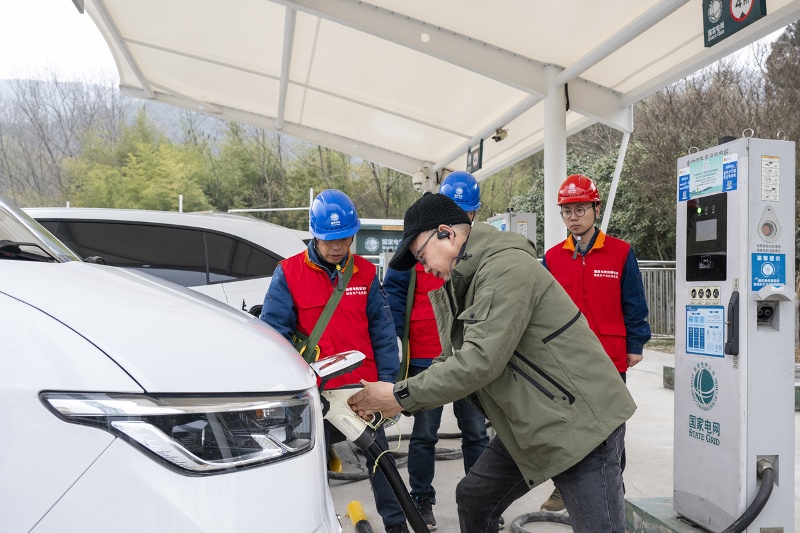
(23, 238)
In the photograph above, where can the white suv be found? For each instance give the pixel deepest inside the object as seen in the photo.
(133, 404)
(228, 257)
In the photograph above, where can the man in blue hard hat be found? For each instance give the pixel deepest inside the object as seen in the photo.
(421, 341)
(299, 291)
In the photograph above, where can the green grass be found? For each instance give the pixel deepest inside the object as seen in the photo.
(661, 345)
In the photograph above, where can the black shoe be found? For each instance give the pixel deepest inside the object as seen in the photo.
(501, 523)
(426, 511)
(402, 527)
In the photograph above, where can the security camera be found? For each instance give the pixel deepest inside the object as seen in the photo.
(422, 182)
(499, 135)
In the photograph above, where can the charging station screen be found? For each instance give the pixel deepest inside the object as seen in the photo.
(706, 230)
(707, 238)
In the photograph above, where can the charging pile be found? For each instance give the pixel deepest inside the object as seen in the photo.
(734, 336)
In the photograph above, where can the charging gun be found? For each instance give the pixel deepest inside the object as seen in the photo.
(361, 433)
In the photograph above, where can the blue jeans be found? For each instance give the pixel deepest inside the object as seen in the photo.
(385, 501)
(424, 436)
(591, 489)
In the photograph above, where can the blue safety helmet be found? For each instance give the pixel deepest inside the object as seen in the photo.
(333, 216)
(463, 189)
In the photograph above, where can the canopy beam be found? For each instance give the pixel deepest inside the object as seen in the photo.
(290, 20)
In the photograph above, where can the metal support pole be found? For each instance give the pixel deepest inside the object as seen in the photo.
(623, 148)
(555, 156)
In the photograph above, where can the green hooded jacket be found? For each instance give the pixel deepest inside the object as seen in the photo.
(513, 341)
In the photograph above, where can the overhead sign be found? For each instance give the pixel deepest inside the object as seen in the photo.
(475, 158)
(723, 18)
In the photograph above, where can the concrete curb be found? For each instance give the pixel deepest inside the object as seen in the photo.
(655, 515)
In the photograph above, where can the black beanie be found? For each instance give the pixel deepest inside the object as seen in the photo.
(427, 213)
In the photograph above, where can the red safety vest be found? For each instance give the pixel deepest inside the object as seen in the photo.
(348, 328)
(423, 337)
(594, 282)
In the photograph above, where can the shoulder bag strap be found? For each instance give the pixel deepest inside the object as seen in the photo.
(406, 355)
(327, 313)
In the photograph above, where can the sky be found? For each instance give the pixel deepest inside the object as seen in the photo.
(41, 36)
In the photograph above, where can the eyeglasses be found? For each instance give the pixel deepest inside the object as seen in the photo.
(419, 259)
(579, 212)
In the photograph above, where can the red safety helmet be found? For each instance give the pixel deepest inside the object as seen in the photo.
(578, 188)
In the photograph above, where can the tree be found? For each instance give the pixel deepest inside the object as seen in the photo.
(527, 195)
(381, 192)
(724, 99)
(782, 79)
(498, 191)
(143, 171)
(44, 122)
(248, 171)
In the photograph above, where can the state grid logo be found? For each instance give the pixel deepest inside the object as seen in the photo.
(335, 219)
(705, 387)
(372, 244)
(714, 11)
(459, 192)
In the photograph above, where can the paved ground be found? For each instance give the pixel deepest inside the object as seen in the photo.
(649, 455)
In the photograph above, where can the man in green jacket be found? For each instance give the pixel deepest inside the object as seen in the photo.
(516, 345)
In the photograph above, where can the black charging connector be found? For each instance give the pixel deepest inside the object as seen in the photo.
(765, 312)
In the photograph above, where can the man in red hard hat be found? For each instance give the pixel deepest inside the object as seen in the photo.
(601, 275)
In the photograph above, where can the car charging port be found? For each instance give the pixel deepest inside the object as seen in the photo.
(766, 313)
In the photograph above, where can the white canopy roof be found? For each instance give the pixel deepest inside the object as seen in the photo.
(413, 83)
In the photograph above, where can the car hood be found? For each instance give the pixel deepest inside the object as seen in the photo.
(165, 338)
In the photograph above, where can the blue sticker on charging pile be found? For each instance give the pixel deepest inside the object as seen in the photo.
(704, 330)
(683, 184)
(768, 269)
(730, 172)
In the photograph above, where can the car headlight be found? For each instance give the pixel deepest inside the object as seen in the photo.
(198, 435)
